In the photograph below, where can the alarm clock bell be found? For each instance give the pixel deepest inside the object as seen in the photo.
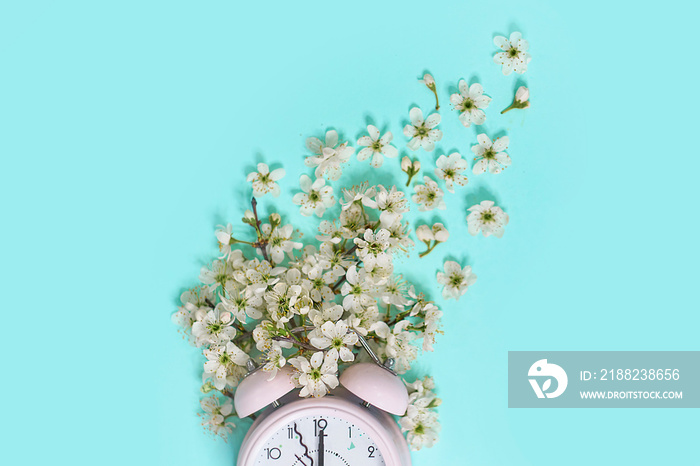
(256, 390)
(375, 383)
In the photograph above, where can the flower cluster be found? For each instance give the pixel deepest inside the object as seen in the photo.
(277, 301)
(280, 302)
(421, 419)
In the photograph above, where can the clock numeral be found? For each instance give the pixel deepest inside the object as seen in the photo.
(371, 451)
(350, 432)
(273, 453)
(319, 425)
(290, 432)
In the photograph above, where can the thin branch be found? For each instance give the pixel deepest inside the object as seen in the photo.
(298, 343)
(350, 251)
(242, 337)
(302, 328)
(260, 243)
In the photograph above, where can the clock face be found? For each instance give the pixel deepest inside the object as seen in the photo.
(320, 441)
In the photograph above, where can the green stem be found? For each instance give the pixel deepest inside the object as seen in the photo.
(410, 177)
(437, 101)
(430, 248)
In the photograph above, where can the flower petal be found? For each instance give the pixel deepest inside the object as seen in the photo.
(484, 140)
(364, 154)
(433, 120)
(501, 42)
(416, 116)
(373, 132)
(305, 183)
(501, 144)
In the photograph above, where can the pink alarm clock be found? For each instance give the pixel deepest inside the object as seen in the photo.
(348, 427)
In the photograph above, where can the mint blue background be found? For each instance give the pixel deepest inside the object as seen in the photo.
(126, 130)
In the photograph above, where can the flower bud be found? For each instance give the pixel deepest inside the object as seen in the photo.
(522, 94)
(416, 166)
(425, 234)
(207, 387)
(435, 403)
(440, 232)
(405, 163)
(521, 99)
(275, 220)
(428, 80)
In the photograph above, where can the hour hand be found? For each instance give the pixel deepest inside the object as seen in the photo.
(321, 436)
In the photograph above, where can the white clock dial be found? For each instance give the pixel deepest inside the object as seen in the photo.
(320, 441)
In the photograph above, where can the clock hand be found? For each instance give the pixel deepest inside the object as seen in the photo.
(321, 454)
(301, 442)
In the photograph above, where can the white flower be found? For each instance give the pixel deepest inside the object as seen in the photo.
(330, 312)
(399, 237)
(332, 232)
(219, 273)
(195, 305)
(215, 328)
(329, 156)
(450, 168)
(470, 101)
(428, 196)
(337, 336)
(224, 235)
(432, 322)
(490, 155)
(392, 205)
(363, 319)
(393, 292)
(263, 334)
(491, 220)
(422, 132)
(356, 289)
(398, 343)
(315, 198)
(376, 146)
(514, 56)
(215, 414)
(280, 242)
(242, 303)
(275, 360)
(455, 279)
(422, 430)
(265, 181)
(361, 194)
(261, 274)
(420, 386)
(317, 376)
(220, 361)
(372, 249)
